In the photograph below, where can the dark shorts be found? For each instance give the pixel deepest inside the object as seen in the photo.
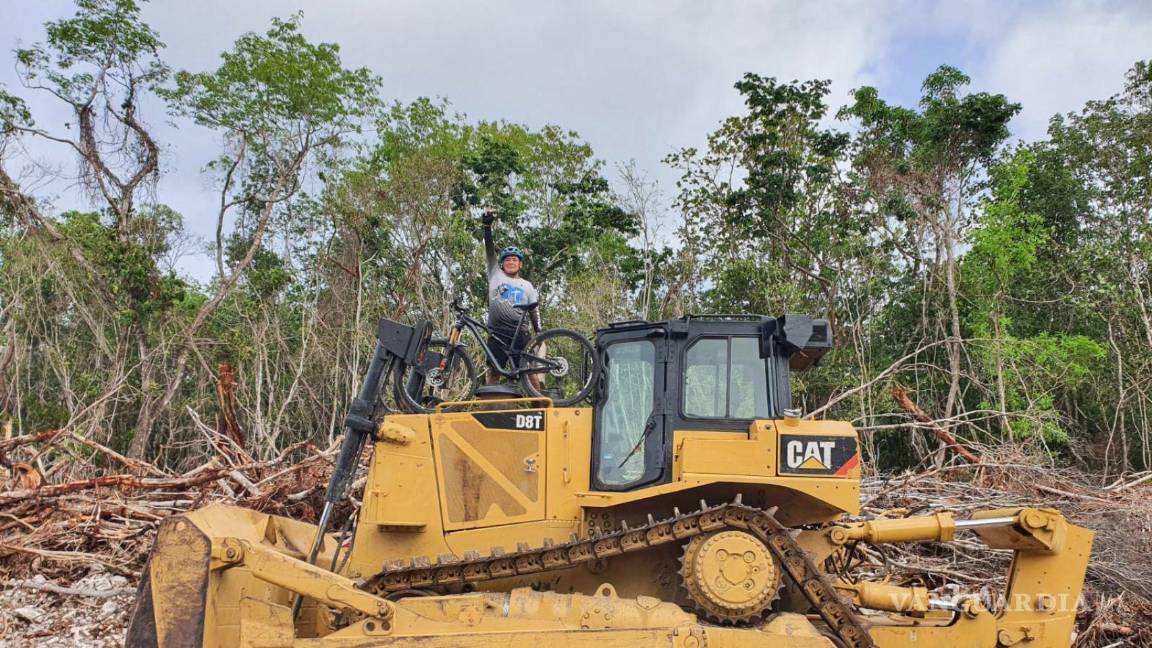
(503, 342)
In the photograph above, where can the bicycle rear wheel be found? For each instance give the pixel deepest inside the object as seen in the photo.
(442, 374)
(564, 365)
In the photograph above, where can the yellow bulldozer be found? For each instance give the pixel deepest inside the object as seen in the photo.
(689, 506)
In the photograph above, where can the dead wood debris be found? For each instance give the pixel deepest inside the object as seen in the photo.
(1116, 609)
(93, 506)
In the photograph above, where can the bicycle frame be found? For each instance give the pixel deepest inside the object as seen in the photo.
(474, 326)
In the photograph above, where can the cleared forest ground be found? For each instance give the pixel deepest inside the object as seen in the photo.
(72, 543)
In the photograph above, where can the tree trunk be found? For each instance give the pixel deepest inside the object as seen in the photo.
(143, 433)
(1001, 389)
(955, 341)
(227, 420)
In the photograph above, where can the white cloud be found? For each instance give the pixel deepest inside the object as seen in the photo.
(1057, 57)
(636, 80)
(639, 79)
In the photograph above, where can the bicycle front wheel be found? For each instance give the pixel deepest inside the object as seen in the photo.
(442, 374)
(559, 364)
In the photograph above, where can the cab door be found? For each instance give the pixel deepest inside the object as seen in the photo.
(630, 448)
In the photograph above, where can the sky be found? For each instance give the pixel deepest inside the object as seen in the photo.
(636, 79)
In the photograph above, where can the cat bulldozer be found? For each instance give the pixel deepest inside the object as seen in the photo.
(689, 506)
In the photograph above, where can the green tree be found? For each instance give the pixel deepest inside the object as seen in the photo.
(425, 179)
(925, 169)
(100, 63)
(101, 278)
(770, 220)
(282, 103)
(1104, 152)
(1028, 372)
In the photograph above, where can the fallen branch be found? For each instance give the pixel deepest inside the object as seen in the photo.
(124, 482)
(905, 403)
(1064, 493)
(74, 591)
(72, 514)
(1119, 486)
(134, 464)
(68, 556)
(25, 439)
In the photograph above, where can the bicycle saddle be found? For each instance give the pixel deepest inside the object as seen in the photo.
(525, 307)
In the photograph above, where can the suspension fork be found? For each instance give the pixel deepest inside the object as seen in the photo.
(453, 340)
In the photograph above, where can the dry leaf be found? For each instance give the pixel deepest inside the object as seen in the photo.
(27, 477)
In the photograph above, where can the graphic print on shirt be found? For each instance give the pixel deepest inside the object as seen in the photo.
(513, 294)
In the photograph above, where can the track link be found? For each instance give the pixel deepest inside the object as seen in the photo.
(449, 570)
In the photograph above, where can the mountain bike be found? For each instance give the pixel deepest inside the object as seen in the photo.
(559, 363)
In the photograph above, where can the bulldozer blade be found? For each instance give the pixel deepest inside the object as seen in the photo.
(171, 603)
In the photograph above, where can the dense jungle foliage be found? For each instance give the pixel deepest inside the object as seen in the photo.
(1005, 284)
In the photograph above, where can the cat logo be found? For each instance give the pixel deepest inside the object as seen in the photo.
(810, 455)
(818, 455)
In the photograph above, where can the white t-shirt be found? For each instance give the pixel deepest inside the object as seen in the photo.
(505, 292)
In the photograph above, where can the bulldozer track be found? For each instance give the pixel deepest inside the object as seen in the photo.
(448, 570)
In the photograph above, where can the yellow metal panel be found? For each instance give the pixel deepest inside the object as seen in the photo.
(487, 477)
(850, 470)
(507, 537)
(814, 427)
(569, 460)
(395, 495)
(265, 624)
(1044, 587)
(965, 632)
(723, 453)
(785, 630)
(179, 582)
(528, 619)
(180, 566)
(475, 490)
(401, 492)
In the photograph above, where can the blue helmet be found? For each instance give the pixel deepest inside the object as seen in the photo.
(511, 251)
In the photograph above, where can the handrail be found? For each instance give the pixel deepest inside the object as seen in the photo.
(631, 322)
(726, 317)
(547, 401)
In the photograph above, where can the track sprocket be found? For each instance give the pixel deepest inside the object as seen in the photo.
(730, 576)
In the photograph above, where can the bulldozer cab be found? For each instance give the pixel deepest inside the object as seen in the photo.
(712, 373)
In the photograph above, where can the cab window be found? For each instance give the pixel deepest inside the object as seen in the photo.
(631, 370)
(706, 378)
(725, 377)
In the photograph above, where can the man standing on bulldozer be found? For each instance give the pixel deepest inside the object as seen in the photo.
(508, 332)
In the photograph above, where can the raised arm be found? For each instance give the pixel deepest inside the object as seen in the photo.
(489, 244)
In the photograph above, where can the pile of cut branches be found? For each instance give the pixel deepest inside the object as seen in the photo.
(71, 503)
(1116, 608)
